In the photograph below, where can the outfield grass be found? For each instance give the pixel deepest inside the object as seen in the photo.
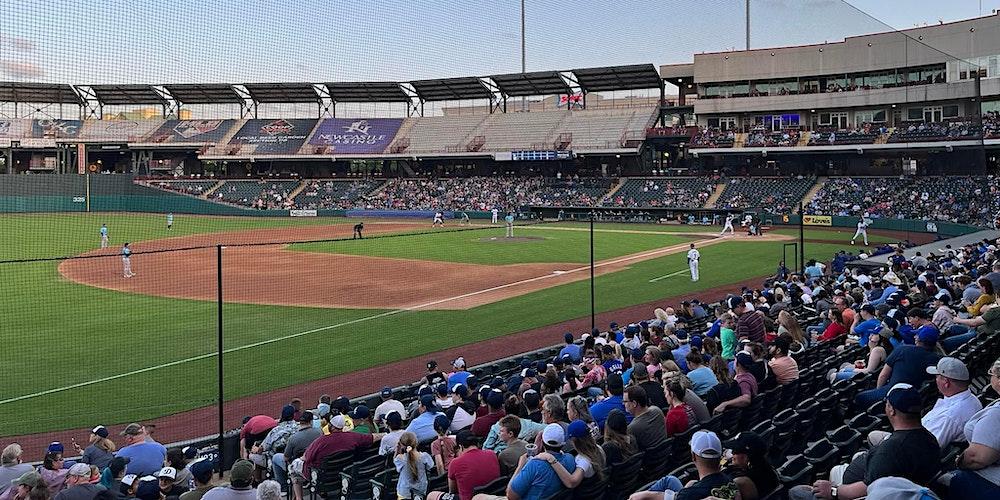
(57, 334)
(843, 233)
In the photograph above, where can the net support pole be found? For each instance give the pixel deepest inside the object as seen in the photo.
(593, 318)
(802, 239)
(218, 305)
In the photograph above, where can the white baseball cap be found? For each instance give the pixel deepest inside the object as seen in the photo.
(553, 435)
(167, 472)
(338, 422)
(706, 444)
(129, 479)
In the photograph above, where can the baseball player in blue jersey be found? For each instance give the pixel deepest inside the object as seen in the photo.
(509, 219)
(170, 220)
(104, 236)
(127, 261)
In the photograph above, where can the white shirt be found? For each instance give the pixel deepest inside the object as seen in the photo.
(388, 444)
(462, 420)
(693, 255)
(948, 417)
(388, 407)
(861, 224)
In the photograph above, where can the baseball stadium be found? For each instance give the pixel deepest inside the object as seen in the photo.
(726, 249)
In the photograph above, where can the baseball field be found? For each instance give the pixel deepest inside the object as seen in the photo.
(302, 302)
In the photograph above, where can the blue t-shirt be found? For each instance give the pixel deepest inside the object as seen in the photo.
(538, 480)
(458, 378)
(573, 350)
(679, 355)
(126, 251)
(601, 409)
(909, 364)
(613, 366)
(423, 426)
(702, 380)
(145, 458)
(715, 329)
(865, 329)
(889, 290)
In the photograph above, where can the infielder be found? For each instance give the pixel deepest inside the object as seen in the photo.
(862, 231)
(357, 230)
(127, 261)
(495, 214)
(465, 219)
(693, 257)
(104, 236)
(728, 226)
(509, 219)
(438, 219)
(170, 220)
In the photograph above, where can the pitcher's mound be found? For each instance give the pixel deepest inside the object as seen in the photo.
(515, 239)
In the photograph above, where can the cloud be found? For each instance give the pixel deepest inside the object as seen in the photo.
(18, 44)
(19, 69)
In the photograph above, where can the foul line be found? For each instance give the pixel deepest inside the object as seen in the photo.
(665, 276)
(638, 256)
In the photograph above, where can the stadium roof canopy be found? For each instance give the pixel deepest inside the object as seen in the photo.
(282, 92)
(126, 94)
(367, 92)
(37, 92)
(639, 76)
(204, 93)
(537, 83)
(451, 89)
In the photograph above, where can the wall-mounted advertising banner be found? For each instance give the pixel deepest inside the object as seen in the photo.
(56, 129)
(191, 131)
(817, 220)
(118, 130)
(356, 136)
(14, 129)
(274, 136)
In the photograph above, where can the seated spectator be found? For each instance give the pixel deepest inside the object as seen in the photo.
(618, 444)
(535, 478)
(240, 483)
(746, 381)
(169, 487)
(783, 366)
(680, 416)
(730, 344)
(462, 412)
(146, 456)
(494, 402)
(423, 425)
(29, 485)
(510, 429)
(600, 409)
(473, 467)
(11, 467)
(338, 440)
(576, 409)
(394, 421)
(893, 457)
(100, 449)
(753, 474)
(835, 327)
(389, 404)
(412, 466)
(443, 448)
(52, 471)
(571, 349)
(702, 378)
(78, 485)
(727, 389)
(647, 425)
(978, 473)
(907, 364)
(590, 460)
(706, 453)
(879, 349)
(950, 413)
(201, 474)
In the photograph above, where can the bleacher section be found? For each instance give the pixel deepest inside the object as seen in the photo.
(196, 188)
(437, 133)
(933, 132)
(517, 131)
(604, 129)
(475, 193)
(578, 192)
(765, 138)
(832, 137)
(319, 194)
(662, 192)
(778, 195)
(257, 194)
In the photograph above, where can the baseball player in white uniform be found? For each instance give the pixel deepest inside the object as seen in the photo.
(693, 256)
(438, 219)
(862, 231)
(104, 236)
(496, 213)
(728, 226)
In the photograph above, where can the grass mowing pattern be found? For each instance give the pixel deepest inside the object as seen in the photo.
(58, 333)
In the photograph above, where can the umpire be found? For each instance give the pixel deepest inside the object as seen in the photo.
(357, 230)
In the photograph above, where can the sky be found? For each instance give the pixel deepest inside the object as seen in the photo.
(146, 41)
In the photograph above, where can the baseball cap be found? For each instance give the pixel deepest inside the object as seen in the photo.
(148, 489)
(577, 429)
(167, 472)
(734, 302)
(425, 390)
(471, 381)
(394, 419)
(432, 364)
(55, 447)
(952, 368)
(242, 471)
(79, 469)
(129, 479)
(613, 325)
(553, 435)
(528, 372)
(459, 362)
(30, 478)
(637, 353)
(338, 422)
(132, 429)
(306, 416)
(749, 443)
(927, 335)
(386, 392)
(706, 444)
(744, 359)
(541, 366)
(525, 363)
(568, 337)
(322, 409)
(341, 403)
(427, 401)
(904, 398)
(118, 464)
(460, 389)
(442, 390)
(100, 430)
(494, 398)
(361, 412)
(202, 470)
(697, 342)
(190, 451)
(531, 398)
(287, 412)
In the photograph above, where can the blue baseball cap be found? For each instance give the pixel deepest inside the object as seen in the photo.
(387, 392)
(577, 429)
(427, 401)
(696, 341)
(928, 335)
(904, 398)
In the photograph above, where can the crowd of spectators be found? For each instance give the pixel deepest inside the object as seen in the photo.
(766, 138)
(866, 133)
(971, 200)
(333, 194)
(571, 192)
(748, 375)
(991, 125)
(712, 137)
(935, 131)
(470, 193)
(777, 195)
(662, 192)
(261, 195)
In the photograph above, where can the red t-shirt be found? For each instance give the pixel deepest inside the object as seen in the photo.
(473, 468)
(257, 425)
(676, 420)
(481, 427)
(833, 330)
(334, 442)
